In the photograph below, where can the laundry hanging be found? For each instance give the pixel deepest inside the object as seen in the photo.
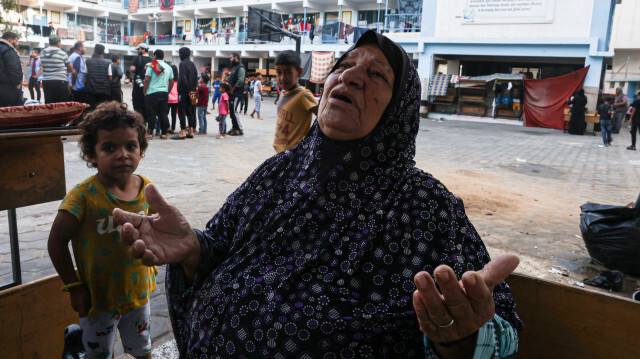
(321, 63)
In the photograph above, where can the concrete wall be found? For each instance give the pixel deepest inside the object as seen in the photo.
(571, 18)
(626, 33)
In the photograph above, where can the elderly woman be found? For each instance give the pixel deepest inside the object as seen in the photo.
(314, 256)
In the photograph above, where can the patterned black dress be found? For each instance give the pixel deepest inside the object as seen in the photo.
(314, 255)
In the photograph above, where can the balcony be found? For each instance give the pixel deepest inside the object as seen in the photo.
(403, 23)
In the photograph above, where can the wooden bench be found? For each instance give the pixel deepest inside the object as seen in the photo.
(562, 321)
(33, 317)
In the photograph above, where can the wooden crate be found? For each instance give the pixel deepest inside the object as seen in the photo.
(472, 110)
(33, 317)
(506, 113)
(562, 321)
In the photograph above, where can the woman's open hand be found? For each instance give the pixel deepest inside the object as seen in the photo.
(164, 238)
(464, 306)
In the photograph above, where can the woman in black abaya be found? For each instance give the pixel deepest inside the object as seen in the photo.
(577, 125)
(319, 253)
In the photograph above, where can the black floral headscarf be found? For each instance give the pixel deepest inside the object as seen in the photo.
(314, 255)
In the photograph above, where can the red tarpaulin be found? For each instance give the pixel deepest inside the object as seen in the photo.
(544, 100)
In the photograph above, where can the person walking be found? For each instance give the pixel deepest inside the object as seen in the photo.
(275, 87)
(173, 100)
(55, 67)
(10, 71)
(620, 106)
(35, 73)
(257, 96)
(202, 93)
(236, 81)
(77, 76)
(158, 79)
(244, 105)
(115, 87)
(634, 121)
(98, 78)
(605, 111)
(187, 83)
(138, 72)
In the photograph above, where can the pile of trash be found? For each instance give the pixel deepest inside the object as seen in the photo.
(612, 235)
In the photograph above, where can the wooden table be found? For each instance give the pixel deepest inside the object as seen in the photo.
(589, 117)
(34, 160)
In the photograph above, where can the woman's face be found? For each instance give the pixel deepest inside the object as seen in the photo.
(356, 94)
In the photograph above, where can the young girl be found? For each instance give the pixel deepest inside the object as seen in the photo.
(223, 110)
(110, 289)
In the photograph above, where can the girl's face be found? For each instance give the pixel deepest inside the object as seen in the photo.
(117, 154)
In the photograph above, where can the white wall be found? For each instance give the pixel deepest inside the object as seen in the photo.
(571, 18)
(625, 33)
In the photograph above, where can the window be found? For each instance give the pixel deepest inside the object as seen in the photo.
(612, 84)
(330, 17)
(367, 17)
(227, 23)
(206, 25)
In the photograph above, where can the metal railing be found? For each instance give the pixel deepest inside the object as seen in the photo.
(403, 22)
(395, 22)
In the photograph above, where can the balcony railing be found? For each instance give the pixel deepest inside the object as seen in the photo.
(403, 22)
(156, 3)
(209, 37)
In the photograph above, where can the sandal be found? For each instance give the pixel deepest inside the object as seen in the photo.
(148, 137)
(220, 136)
(163, 137)
(177, 137)
(632, 148)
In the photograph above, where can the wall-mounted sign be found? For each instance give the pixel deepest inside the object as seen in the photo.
(508, 11)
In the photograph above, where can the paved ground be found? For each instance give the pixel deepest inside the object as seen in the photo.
(522, 188)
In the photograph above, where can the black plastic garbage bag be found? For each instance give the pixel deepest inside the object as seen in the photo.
(609, 279)
(612, 235)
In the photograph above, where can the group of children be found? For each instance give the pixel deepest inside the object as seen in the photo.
(108, 288)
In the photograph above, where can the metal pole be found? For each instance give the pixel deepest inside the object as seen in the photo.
(386, 9)
(106, 28)
(75, 24)
(378, 20)
(339, 22)
(41, 32)
(244, 28)
(626, 68)
(304, 22)
(219, 19)
(15, 250)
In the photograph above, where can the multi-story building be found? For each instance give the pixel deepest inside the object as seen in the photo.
(465, 37)
(624, 70)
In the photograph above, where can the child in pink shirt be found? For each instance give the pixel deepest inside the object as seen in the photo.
(223, 110)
